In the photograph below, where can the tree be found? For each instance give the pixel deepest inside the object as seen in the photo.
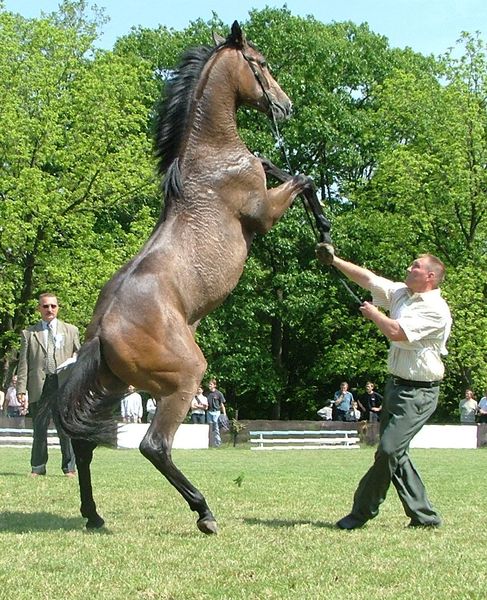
(330, 72)
(75, 158)
(394, 141)
(428, 194)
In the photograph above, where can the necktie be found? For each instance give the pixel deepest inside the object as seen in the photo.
(50, 357)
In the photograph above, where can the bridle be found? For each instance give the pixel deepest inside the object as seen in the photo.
(321, 226)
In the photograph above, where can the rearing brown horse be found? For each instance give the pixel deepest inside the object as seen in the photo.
(142, 331)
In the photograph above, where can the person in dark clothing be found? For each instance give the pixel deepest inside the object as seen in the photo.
(371, 402)
(216, 407)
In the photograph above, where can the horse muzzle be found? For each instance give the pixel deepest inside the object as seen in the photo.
(280, 111)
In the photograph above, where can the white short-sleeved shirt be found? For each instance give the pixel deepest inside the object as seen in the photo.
(425, 319)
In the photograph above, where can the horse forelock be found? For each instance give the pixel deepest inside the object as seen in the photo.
(172, 112)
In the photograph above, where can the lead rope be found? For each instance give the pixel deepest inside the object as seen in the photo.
(322, 228)
(282, 146)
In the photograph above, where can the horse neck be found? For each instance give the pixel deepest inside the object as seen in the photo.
(214, 119)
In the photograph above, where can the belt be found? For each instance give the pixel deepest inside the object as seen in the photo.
(415, 384)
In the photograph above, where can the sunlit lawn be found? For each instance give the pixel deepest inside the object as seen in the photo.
(276, 535)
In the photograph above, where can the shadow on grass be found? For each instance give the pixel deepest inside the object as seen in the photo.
(289, 523)
(19, 522)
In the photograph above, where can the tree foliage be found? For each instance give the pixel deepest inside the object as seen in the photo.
(76, 167)
(395, 142)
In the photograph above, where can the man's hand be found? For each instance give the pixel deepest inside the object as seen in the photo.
(325, 253)
(369, 311)
(389, 327)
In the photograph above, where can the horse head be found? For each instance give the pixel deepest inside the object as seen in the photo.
(256, 86)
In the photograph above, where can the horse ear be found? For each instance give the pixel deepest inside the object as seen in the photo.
(218, 39)
(237, 36)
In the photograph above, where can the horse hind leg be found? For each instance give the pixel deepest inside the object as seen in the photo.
(156, 447)
(83, 451)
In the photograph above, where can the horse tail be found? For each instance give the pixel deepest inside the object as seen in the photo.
(85, 407)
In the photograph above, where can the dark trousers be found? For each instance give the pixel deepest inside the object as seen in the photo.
(198, 419)
(341, 415)
(403, 414)
(42, 411)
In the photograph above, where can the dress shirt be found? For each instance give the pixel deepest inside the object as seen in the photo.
(426, 321)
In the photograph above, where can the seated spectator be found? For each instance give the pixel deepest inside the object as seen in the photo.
(354, 413)
(468, 408)
(482, 409)
(326, 412)
(132, 409)
(342, 402)
(371, 402)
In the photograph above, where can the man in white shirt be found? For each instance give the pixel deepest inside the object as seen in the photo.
(418, 326)
(131, 406)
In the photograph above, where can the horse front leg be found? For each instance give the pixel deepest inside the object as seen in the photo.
(156, 447)
(83, 451)
(309, 194)
(280, 198)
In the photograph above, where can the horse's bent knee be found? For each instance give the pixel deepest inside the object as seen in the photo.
(153, 452)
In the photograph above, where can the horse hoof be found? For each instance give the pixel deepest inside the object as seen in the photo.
(207, 526)
(95, 522)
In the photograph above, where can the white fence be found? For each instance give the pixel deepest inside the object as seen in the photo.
(197, 436)
(188, 436)
(446, 436)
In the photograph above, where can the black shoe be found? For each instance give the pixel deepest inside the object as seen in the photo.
(432, 524)
(350, 522)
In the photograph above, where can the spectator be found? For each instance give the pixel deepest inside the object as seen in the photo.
(44, 347)
(482, 410)
(199, 406)
(151, 409)
(372, 403)
(132, 409)
(216, 406)
(417, 326)
(12, 404)
(342, 402)
(326, 412)
(468, 408)
(354, 413)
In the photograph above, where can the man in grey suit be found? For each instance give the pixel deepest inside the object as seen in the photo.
(44, 347)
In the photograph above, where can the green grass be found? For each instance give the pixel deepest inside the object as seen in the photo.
(276, 535)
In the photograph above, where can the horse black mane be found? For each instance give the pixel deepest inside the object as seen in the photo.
(173, 110)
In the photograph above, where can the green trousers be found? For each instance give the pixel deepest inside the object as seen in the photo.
(404, 412)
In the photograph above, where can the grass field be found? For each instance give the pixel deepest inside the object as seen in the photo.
(276, 530)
